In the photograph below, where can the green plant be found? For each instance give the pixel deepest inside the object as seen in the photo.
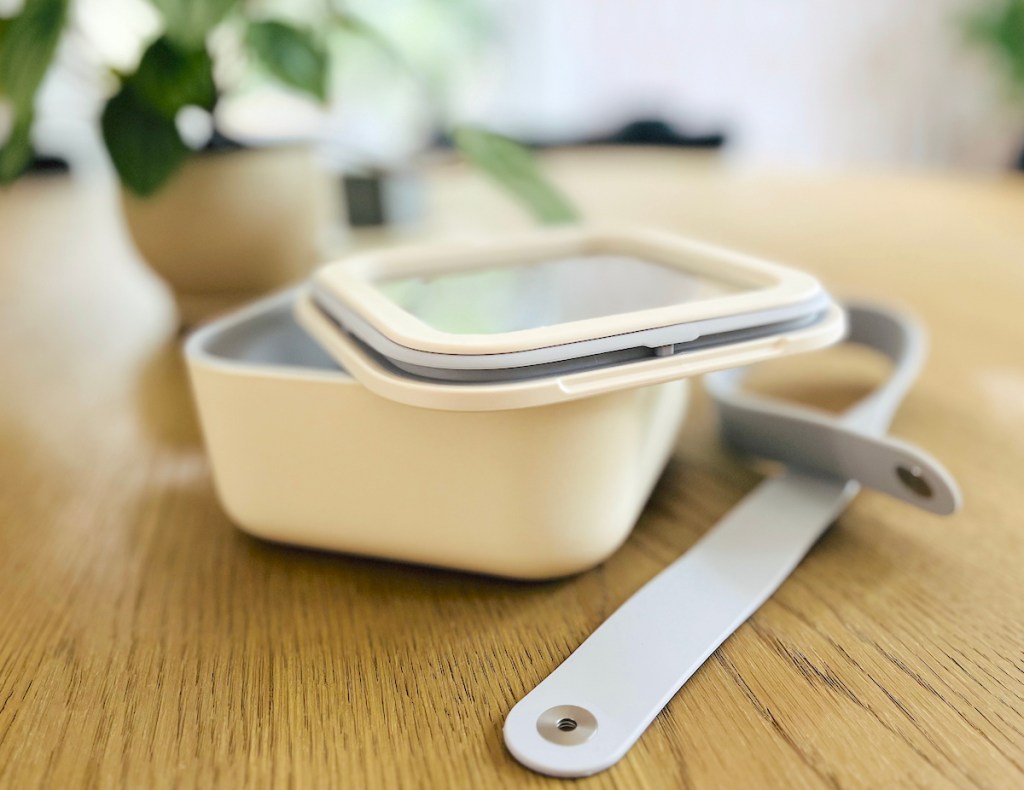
(1000, 26)
(178, 70)
(28, 42)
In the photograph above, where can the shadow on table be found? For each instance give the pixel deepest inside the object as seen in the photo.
(163, 398)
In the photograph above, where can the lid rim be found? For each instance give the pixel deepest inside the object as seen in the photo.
(654, 337)
(349, 283)
(530, 392)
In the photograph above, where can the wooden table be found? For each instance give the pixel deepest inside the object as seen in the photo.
(145, 642)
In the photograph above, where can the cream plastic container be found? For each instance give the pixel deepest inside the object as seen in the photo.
(317, 437)
(303, 453)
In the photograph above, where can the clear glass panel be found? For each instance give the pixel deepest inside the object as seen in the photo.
(527, 296)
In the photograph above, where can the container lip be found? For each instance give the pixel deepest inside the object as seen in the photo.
(349, 282)
(199, 355)
(377, 374)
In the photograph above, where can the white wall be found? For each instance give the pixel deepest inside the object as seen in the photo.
(817, 83)
(810, 82)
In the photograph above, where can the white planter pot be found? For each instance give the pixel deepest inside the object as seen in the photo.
(232, 225)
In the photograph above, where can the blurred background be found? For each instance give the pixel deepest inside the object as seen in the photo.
(325, 115)
(809, 83)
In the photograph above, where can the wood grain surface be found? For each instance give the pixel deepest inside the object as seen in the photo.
(144, 642)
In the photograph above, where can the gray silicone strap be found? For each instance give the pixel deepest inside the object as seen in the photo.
(852, 446)
(587, 714)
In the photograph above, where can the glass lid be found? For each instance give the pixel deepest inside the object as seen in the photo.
(517, 296)
(551, 295)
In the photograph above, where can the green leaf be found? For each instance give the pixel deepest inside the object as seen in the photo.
(170, 77)
(29, 43)
(144, 144)
(16, 153)
(360, 28)
(1001, 27)
(513, 167)
(291, 55)
(187, 22)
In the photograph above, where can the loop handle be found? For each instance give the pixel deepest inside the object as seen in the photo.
(587, 714)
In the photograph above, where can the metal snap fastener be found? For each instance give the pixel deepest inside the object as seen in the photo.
(913, 478)
(567, 725)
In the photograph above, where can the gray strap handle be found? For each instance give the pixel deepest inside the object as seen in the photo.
(852, 446)
(589, 711)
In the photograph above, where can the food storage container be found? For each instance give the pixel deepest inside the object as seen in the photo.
(502, 407)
